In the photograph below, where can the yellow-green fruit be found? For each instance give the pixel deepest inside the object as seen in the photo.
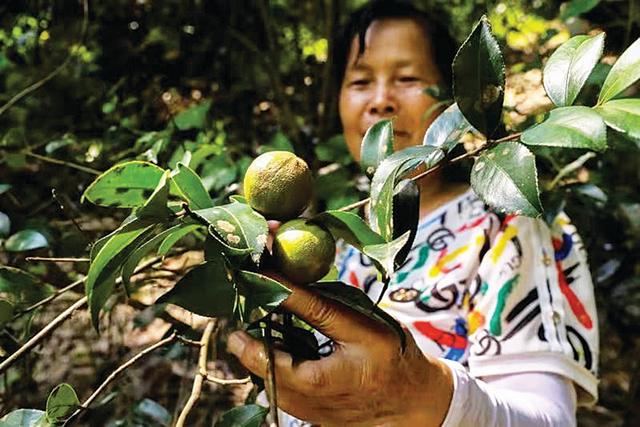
(278, 184)
(303, 252)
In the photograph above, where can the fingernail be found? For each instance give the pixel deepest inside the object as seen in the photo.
(236, 343)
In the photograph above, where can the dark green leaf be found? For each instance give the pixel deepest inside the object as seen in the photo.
(22, 289)
(214, 245)
(569, 127)
(206, 290)
(194, 117)
(217, 172)
(349, 227)
(384, 181)
(334, 150)
(357, 300)
(568, 68)
(5, 225)
(622, 115)
(175, 236)
(61, 403)
(151, 413)
(478, 79)
(127, 185)
(386, 253)
(24, 418)
(238, 225)
(505, 177)
(447, 129)
(54, 145)
(377, 145)
(576, 7)
(623, 74)
(260, 290)
(6, 311)
(108, 260)
(300, 343)
(191, 189)
(279, 142)
(156, 205)
(243, 416)
(26, 240)
(4, 188)
(406, 214)
(142, 251)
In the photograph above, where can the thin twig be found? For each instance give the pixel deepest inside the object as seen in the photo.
(270, 378)
(35, 86)
(483, 147)
(200, 375)
(87, 403)
(51, 297)
(223, 381)
(68, 215)
(64, 163)
(53, 259)
(190, 342)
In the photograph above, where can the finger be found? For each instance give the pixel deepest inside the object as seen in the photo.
(273, 228)
(308, 377)
(333, 319)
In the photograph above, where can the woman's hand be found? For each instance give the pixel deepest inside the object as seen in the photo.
(366, 381)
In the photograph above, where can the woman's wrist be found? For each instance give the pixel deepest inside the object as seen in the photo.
(435, 397)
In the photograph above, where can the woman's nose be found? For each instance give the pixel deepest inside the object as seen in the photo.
(383, 102)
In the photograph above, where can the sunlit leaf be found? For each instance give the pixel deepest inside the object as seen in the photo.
(175, 236)
(623, 74)
(349, 227)
(622, 115)
(193, 117)
(505, 177)
(447, 129)
(127, 185)
(24, 418)
(22, 289)
(61, 403)
(207, 290)
(156, 205)
(243, 416)
(569, 66)
(576, 7)
(385, 254)
(191, 189)
(260, 290)
(377, 145)
(569, 127)
(142, 251)
(406, 215)
(478, 79)
(25, 240)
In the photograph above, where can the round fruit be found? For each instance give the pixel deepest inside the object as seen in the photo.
(303, 252)
(278, 184)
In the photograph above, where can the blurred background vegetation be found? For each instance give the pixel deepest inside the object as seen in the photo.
(151, 80)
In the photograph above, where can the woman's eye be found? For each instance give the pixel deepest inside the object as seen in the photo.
(408, 79)
(359, 82)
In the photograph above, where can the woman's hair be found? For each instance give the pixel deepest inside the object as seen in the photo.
(443, 45)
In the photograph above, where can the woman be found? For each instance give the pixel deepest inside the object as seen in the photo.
(503, 328)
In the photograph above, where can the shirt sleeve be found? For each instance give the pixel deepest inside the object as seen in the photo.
(533, 309)
(531, 399)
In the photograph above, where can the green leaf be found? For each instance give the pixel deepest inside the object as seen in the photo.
(385, 254)
(127, 185)
(447, 129)
(505, 177)
(156, 205)
(6, 311)
(478, 79)
(5, 225)
(238, 225)
(206, 290)
(279, 142)
(357, 300)
(569, 127)
(24, 418)
(349, 227)
(622, 115)
(22, 289)
(175, 236)
(243, 416)
(150, 413)
(384, 181)
(377, 145)
(569, 67)
(623, 74)
(142, 251)
(61, 403)
(576, 7)
(260, 290)
(334, 150)
(406, 215)
(4, 188)
(26, 240)
(108, 260)
(193, 117)
(214, 246)
(190, 188)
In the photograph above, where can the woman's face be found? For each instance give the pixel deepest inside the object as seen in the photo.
(387, 81)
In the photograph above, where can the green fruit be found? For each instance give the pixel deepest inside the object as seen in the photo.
(278, 184)
(303, 252)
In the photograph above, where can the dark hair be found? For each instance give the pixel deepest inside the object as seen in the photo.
(443, 44)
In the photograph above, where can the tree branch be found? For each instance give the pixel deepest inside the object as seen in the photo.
(200, 375)
(64, 163)
(118, 371)
(50, 259)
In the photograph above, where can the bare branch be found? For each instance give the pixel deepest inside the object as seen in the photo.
(87, 403)
(64, 163)
(223, 381)
(52, 259)
(200, 375)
